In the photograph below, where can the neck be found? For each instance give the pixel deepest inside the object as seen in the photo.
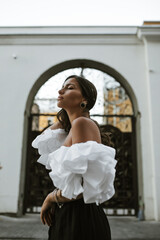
(73, 115)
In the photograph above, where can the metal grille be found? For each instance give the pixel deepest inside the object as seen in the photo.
(125, 201)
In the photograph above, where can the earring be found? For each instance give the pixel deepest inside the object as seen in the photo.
(83, 105)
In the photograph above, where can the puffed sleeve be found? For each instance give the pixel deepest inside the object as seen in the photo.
(47, 142)
(93, 162)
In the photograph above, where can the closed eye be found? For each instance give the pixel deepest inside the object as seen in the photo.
(70, 88)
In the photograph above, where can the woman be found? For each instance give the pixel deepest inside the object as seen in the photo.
(82, 168)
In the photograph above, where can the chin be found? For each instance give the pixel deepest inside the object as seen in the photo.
(59, 104)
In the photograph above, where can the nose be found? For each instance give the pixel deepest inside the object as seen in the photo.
(61, 91)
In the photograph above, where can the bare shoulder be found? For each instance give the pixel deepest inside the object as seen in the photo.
(81, 121)
(84, 129)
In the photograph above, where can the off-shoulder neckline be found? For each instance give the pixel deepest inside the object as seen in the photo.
(80, 143)
(89, 141)
(58, 129)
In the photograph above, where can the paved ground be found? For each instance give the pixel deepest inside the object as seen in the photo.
(29, 227)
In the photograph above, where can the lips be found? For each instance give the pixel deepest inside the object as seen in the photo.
(60, 97)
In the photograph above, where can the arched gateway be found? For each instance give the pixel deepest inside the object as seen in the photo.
(116, 112)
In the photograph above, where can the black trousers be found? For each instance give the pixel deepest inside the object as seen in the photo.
(79, 221)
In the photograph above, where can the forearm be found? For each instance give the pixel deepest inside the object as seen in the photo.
(56, 197)
(62, 199)
(48, 206)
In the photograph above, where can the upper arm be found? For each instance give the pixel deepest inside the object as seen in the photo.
(55, 126)
(84, 130)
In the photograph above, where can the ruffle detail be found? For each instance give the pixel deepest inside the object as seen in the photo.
(47, 142)
(90, 161)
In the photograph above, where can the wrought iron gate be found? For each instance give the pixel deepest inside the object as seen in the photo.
(125, 200)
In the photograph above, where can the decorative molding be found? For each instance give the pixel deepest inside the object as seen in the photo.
(68, 35)
(69, 40)
(149, 32)
(63, 30)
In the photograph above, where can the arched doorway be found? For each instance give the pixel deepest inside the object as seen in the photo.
(116, 112)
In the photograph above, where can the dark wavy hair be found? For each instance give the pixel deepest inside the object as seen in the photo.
(89, 92)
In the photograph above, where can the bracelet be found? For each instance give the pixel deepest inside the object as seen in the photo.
(54, 191)
(55, 194)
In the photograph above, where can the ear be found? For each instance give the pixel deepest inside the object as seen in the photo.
(84, 100)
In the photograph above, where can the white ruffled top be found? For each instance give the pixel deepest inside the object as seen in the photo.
(91, 161)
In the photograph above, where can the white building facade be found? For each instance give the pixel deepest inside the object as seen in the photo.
(29, 56)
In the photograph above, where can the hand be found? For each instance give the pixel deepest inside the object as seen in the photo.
(47, 210)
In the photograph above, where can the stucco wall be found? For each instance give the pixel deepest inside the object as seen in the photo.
(153, 61)
(24, 57)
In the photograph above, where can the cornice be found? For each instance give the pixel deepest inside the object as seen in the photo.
(70, 35)
(65, 30)
(69, 40)
(151, 32)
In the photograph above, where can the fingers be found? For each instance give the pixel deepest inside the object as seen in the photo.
(42, 216)
(46, 218)
(43, 219)
(47, 212)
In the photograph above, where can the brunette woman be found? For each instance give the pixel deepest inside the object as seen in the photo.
(82, 168)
